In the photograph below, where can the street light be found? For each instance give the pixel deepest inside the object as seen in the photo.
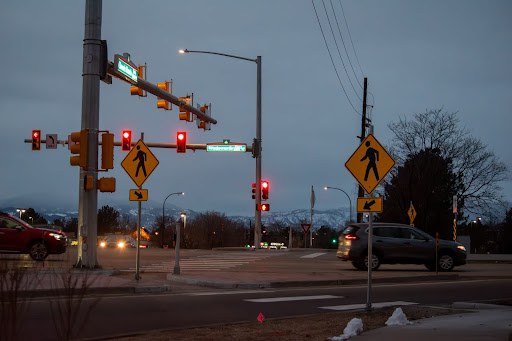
(163, 215)
(257, 140)
(21, 211)
(348, 197)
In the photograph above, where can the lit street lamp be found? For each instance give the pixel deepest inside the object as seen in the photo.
(163, 216)
(257, 140)
(21, 211)
(348, 197)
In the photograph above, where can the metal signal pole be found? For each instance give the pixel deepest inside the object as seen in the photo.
(360, 192)
(88, 200)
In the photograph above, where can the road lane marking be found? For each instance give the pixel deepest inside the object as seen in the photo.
(212, 293)
(361, 306)
(291, 298)
(314, 255)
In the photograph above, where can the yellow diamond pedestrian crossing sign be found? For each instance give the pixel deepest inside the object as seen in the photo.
(139, 163)
(370, 163)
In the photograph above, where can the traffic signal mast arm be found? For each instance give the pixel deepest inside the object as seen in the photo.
(155, 90)
(193, 146)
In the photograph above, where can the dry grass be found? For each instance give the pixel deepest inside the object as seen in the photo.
(314, 327)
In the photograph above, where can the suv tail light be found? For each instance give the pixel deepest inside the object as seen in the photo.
(351, 236)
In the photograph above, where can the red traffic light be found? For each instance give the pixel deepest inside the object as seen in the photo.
(181, 142)
(253, 190)
(265, 186)
(126, 140)
(36, 139)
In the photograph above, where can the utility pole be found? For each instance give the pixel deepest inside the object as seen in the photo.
(360, 192)
(88, 200)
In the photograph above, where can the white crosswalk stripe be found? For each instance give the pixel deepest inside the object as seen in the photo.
(361, 306)
(208, 262)
(314, 255)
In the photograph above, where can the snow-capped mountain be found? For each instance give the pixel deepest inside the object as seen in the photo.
(150, 212)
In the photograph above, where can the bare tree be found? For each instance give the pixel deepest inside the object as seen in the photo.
(479, 170)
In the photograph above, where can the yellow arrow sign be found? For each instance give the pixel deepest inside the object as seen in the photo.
(370, 163)
(138, 195)
(369, 205)
(139, 163)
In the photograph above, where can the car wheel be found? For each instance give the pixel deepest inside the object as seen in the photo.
(38, 251)
(375, 262)
(445, 262)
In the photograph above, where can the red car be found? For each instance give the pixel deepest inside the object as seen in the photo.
(16, 236)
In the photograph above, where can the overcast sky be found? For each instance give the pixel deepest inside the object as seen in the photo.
(417, 55)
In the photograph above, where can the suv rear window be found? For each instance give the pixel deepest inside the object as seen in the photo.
(350, 230)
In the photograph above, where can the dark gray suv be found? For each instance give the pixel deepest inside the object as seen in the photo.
(397, 244)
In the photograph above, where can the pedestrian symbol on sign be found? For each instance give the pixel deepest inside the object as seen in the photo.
(141, 156)
(372, 155)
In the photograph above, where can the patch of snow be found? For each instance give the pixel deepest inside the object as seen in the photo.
(398, 318)
(354, 327)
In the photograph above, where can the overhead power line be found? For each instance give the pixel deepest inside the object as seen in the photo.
(350, 36)
(345, 48)
(332, 60)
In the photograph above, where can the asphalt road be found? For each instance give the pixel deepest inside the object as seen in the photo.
(193, 306)
(129, 314)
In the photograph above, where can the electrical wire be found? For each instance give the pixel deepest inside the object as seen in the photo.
(339, 53)
(350, 36)
(345, 47)
(332, 60)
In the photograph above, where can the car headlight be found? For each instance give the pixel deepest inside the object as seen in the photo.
(56, 236)
(103, 244)
(461, 247)
(121, 245)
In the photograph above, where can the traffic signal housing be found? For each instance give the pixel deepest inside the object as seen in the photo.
(162, 103)
(253, 190)
(126, 140)
(36, 139)
(265, 186)
(107, 151)
(79, 147)
(181, 142)
(263, 207)
(185, 115)
(136, 91)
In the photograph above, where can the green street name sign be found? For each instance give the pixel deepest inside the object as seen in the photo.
(126, 69)
(226, 147)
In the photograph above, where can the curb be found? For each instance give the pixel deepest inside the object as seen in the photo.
(288, 284)
(479, 306)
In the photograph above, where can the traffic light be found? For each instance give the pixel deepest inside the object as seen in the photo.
(200, 123)
(136, 90)
(263, 207)
(36, 139)
(126, 140)
(162, 103)
(181, 142)
(107, 184)
(185, 115)
(80, 139)
(107, 151)
(265, 186)
(253, 190)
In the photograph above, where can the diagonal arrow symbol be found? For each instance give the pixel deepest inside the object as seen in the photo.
(138, 194)
(368, 204)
